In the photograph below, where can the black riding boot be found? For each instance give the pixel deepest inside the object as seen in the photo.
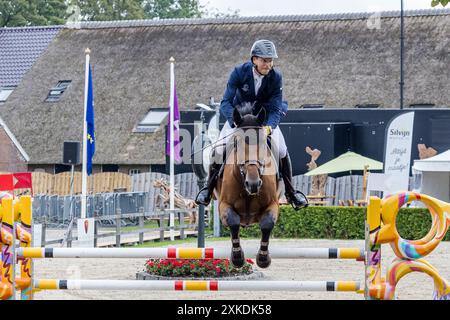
(296, 198)
(204, 196)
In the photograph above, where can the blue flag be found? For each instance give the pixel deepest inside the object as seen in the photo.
(90, 124)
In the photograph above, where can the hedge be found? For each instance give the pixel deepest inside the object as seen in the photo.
(338, 223)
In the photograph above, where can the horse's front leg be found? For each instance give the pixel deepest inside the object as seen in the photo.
(231, 219)
(267, 223)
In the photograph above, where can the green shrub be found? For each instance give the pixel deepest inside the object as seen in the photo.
(338, 223)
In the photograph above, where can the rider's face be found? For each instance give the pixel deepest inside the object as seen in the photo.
(263, 65)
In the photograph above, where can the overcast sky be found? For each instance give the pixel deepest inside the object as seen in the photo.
(298, 7)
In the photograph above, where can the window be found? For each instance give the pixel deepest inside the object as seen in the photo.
(110, 168)
(152, 121)
(132, 172)
(5, 92)
(56, 92)
(62, 168)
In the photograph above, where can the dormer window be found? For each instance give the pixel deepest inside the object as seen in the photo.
(57, 91)
(5, 92)
(152, 121)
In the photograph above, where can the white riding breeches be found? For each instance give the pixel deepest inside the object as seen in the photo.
(277, 140)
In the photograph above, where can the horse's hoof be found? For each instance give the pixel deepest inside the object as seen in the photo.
(263, 260)
(237, 258)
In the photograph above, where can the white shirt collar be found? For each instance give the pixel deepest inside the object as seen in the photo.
(258, 80)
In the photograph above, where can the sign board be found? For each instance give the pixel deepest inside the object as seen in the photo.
(86, 232)
(37, 235)
(397, 153)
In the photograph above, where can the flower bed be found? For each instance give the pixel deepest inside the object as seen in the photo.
(194, 268)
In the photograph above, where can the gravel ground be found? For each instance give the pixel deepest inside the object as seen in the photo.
(412, 287)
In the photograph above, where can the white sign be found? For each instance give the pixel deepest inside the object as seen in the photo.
(37, 235)
(397, 154)
(387, 183)
(86, 232)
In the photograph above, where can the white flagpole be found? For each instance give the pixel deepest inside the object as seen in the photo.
(172, 148)
(84, 161)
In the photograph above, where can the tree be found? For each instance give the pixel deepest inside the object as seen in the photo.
(14, 13)
(215, 13)
(18, 13)
(435, 3)
(104, 10)
(168, 9)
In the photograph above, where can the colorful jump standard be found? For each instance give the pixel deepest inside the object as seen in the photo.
(381, 229)
(10, 231)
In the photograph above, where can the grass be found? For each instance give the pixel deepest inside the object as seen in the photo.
(149, 224)
(191, 240)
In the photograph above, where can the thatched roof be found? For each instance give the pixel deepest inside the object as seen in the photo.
(334, 60)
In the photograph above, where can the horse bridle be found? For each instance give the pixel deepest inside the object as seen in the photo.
(260, 164)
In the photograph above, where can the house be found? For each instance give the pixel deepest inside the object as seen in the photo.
(334, 61)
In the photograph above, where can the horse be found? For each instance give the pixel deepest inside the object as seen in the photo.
(249, 190)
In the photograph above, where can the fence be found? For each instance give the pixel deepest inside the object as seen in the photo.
(105, 235)
(59, 184)
(57, 210)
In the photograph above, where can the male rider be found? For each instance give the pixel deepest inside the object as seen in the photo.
(256, 81)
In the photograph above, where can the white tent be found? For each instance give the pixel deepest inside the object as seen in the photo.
(432, 176)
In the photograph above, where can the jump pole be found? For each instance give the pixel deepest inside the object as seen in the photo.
(189, 253)
(198, 285)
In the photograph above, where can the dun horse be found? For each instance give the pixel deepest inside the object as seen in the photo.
(249, 192)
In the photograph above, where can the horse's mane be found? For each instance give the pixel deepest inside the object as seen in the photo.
(245, 108)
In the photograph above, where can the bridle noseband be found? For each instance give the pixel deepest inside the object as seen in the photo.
(260, 164)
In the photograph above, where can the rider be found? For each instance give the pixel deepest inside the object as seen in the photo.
(256, 81)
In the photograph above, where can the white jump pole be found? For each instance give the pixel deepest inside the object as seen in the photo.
(190, 253)
(195, 285)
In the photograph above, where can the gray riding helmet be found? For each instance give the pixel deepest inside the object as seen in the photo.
(264, 49)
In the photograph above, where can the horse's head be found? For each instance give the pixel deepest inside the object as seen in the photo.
(251, 165)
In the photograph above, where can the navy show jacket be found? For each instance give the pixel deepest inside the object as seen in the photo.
(241, 88)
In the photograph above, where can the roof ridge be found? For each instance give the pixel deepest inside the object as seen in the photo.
(31, 28)
(255, 19)
(249, 19)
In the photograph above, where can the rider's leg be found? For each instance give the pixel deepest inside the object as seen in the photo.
(296, 198)
(205, 194)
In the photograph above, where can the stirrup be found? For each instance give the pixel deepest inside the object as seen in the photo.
(303, 204)
(207, 199)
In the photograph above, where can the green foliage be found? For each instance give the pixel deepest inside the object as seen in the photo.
(168, 9)
(104, 10)
(19, 13)
(338, 223)
(435, 3)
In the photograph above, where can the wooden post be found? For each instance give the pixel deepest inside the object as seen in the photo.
(95, 229)
(365, 173)
(181, 215)
(44, 226)
(141, 225)
(118, 221)
(69, 238)
(161, 227)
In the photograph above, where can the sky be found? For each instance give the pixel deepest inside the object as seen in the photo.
(299, 7)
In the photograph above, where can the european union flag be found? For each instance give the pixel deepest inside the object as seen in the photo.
(90, 124)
